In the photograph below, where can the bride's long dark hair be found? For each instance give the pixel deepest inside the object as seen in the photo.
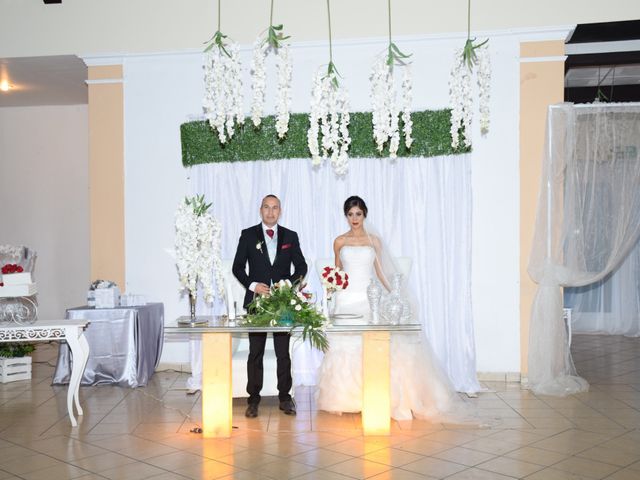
(355, 201)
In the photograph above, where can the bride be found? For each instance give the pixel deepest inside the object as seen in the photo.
(419, 387)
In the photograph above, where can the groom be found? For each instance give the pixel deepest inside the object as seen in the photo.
(270, 250)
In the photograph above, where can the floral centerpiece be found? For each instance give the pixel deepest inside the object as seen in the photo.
(288, 305)
(198, 249)
(334, 279)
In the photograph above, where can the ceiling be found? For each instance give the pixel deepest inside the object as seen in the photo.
(603, 55)
(55, 80)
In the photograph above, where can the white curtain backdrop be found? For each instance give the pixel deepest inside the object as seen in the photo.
(587, 224)
(422, 207)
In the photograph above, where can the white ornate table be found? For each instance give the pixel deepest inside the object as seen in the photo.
(56, 330)
(216, 370)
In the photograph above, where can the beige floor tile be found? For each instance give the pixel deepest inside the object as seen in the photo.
(58, 472)
(464, 456)
(103, 461)
(392, 456)
(320, 457)
(622, 458)
(491, 445)
(358, 468)
(423, 446)
(323, 475)
(284, 469)
(207, 469)
(587, 468)
(552, 474)
(434, 467)
(22, 465)
(624, 474)
(538, 456)
(398, 474)
(510, 467)
(452, 437)
(477, 474)
(248, 459)
(132, 471)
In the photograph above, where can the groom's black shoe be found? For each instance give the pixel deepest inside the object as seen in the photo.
(252, 411)
(288, 407)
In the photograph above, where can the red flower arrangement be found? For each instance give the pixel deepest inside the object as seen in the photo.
(11, 268)
(334, 279)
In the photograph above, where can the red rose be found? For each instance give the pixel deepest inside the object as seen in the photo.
(338, 279)
(20, 269)
(346, 277)
(327, 269)
(1, 284)
(330, 279)
(346, 284)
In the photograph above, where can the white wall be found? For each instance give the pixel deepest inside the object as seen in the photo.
(30, 28)
(162, 91)
(44, 198)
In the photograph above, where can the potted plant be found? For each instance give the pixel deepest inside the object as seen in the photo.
(15, 364)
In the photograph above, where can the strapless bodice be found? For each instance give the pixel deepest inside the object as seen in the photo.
(357, 262)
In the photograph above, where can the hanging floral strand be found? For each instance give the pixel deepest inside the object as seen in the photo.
(222, 103)
(271, 41)
(383, 95)
(460, 87)
(328, 134)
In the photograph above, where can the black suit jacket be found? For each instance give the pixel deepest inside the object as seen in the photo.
(260, 269)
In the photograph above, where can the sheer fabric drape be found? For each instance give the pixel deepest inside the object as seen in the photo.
(422, 207)
(587, 223)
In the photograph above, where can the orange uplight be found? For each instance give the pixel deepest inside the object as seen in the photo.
(216, 385)
(4, 85)
(376, 397)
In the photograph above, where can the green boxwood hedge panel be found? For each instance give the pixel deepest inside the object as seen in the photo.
(431, 133)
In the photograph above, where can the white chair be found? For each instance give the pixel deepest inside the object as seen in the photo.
(235, 292)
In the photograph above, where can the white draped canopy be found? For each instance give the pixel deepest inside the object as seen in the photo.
(588, 223)
(422, 207)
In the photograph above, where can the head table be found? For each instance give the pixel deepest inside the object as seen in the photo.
(216, 335)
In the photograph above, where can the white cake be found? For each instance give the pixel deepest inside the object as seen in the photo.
(17, 285)
(23, 278)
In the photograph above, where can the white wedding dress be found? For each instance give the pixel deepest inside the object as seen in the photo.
(419, 387)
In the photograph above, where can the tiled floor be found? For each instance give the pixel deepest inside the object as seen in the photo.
(144, 433)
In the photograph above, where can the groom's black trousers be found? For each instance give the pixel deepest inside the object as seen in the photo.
(255, 369)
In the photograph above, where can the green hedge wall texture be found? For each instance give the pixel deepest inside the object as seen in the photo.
(431, 133)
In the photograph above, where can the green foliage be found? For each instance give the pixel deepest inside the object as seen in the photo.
(285, 307)
(11, 350)
(198, 204)
(217, 41)
(431, 131)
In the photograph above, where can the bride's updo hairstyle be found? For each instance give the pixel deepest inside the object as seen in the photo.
(355, 201)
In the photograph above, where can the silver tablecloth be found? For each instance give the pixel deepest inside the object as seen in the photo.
(125, 345)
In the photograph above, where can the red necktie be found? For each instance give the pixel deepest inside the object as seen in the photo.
(270, 232)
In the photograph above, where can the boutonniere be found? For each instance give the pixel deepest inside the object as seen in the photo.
(259, 246)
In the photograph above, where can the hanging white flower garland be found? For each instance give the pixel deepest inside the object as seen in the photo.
(328, 134)
(461, 88)
(222, 103)
(198, 248)
(386, 109)
(261, 47)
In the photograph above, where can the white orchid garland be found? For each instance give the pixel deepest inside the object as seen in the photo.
(328, 134)
(265, 43)
(222, 102)
(386, 110)
(198, 248)
(461, 88)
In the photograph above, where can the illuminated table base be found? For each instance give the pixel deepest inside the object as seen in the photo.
(217, 378)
